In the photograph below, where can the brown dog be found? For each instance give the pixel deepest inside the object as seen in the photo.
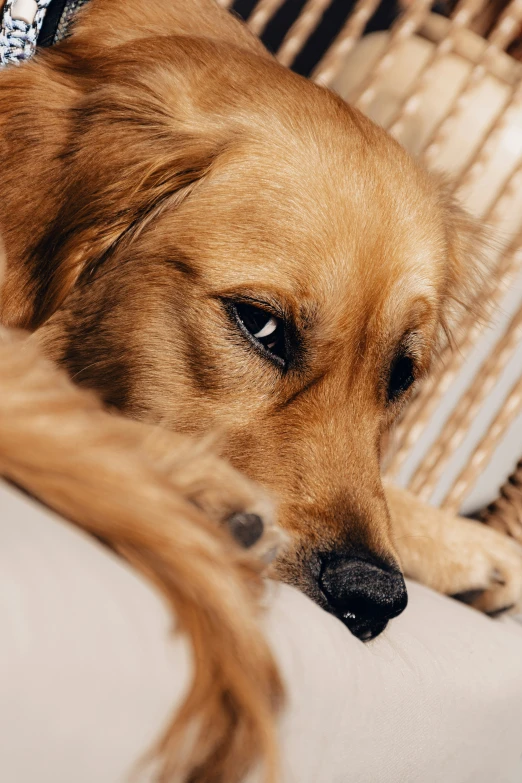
(214, 244)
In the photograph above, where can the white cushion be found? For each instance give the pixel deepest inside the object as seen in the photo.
(89, 672)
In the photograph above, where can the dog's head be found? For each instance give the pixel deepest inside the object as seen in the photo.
(236, 250)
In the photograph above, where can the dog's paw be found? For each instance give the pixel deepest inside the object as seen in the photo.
(505, 513)
(492, 570)
(456, 556)
(221, 492)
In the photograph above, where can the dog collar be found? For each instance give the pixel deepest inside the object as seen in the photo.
(26, 24)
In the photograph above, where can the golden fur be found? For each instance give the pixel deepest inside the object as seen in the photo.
(158, 499)
(169, 175)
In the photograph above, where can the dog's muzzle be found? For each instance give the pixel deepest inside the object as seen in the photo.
(363, 594)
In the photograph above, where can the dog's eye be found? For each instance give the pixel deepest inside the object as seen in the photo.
(264, 330)
(402, 375)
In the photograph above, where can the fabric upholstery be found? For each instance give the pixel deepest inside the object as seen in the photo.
(90, 671)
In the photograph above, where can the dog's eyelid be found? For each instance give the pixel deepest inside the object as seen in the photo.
(405, 366)
(269, 305)
(264, 330)
(411, 343)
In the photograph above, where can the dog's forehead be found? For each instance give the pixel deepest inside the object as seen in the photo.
(327, 221)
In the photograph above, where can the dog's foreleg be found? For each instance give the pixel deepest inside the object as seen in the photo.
(456, 556)
(115, 478)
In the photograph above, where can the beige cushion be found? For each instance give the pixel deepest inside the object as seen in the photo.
(89, 672)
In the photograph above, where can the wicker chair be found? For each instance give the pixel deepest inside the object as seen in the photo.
(454, 99)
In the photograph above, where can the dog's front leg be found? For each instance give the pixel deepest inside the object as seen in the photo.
(155, 498)
(456, 556)
(213, 486)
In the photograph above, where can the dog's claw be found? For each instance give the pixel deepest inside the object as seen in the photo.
(247, 529)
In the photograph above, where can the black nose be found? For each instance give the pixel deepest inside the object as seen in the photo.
(362, 594)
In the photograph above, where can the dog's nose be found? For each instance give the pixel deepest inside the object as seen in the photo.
(363, 594)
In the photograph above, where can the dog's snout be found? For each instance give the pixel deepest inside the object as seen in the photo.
(363, 594)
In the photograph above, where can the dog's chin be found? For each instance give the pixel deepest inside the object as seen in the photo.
(302, 570)
(358, 626)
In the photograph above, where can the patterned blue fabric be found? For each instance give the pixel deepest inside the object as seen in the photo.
(69, 12)
(18, 39)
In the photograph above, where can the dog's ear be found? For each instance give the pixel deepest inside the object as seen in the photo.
(140, 126)
(470, 251)
(2, 270)
(134, 146)
(112, 192)
(2, 263)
